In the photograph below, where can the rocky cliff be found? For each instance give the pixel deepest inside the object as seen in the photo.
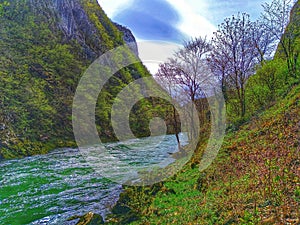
(128, 38)
(45, 46)
(74, 21)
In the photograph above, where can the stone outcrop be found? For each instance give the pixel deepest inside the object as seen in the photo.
(74, 22)
(128, 38)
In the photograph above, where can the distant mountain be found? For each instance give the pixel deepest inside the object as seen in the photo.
(45, 46)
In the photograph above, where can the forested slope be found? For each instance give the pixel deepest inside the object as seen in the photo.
(45, 48)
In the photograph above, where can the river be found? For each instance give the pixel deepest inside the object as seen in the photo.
(48, 189)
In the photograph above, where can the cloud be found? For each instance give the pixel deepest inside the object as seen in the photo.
(111, 8)
(217, 11)
(175, 20)
(152, 19)
(193, 22)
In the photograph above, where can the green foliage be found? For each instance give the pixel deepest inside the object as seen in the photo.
(2, 7)
(272, 80)
(33, 61)
(40, 68)
(266, 85)
(107, 32)
(289, 45)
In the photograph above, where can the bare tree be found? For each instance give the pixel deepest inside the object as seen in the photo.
(235, 55)
(190, 65)
(165, 77)
(219, 65)
(188, 71)
(275, 18)
(263, 41)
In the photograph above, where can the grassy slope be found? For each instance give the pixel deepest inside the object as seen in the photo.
(254, 180)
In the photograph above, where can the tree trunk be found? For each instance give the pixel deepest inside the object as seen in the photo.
(176, 127)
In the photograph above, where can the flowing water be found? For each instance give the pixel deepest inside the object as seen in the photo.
(48, 189)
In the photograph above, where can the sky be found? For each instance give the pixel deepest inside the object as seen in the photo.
(174, 21)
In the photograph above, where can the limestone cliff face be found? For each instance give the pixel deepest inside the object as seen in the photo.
(74, 21)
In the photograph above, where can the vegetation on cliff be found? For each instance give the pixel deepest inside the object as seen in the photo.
(45, 48)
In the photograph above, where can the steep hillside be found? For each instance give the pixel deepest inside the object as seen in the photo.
(45, 47)
(289, 46)
(256, 177)
(254, 180)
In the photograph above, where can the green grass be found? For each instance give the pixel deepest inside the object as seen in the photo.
(254, 180)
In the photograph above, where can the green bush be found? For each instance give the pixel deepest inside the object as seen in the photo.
(267, 85)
